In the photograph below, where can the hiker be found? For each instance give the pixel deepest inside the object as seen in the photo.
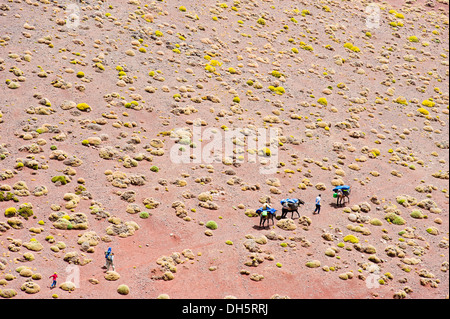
(109, 256)
(54, 276)
(318, 204)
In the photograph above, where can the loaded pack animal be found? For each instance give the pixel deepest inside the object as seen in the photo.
(266, 213)
(268, 216)
(291, 206)
(341, 195)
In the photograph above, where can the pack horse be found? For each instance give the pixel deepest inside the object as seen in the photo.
(291, 206)
(341, 193)
(266, 214)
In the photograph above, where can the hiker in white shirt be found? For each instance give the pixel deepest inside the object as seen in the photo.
(318, 204)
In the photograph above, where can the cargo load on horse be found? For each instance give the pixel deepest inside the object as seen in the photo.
(290, 205)
(341, 193)
(266, 213)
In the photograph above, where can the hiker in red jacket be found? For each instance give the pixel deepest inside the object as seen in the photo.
(54, 276)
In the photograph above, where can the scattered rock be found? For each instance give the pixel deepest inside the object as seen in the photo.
(286, 224)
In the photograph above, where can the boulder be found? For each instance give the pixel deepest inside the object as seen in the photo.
(67, 286)
(112, 276)
(286, 224)
(30, 287)
(313, 264)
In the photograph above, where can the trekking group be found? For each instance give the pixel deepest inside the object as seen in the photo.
(267, 213)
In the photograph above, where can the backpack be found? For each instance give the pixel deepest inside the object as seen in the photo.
(108, 254)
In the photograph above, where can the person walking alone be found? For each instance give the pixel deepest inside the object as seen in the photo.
(54, 276)
(318, 204)
(110, 262)
(109, 256)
